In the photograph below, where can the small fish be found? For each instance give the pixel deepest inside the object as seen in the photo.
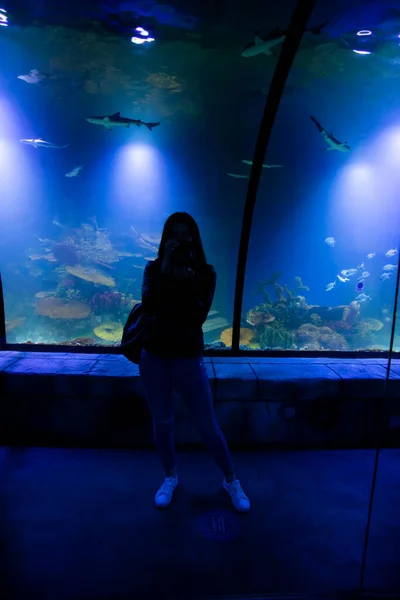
(385, 276)
(34, 76)
(363, 297)
(330, 286)
(343, 279)
(390, 267)
(300, 285)
(349, 272)
(250, 162)
(74, 173)
(392, 252)
(238, 176)
(363, 276)
(361, 266)
(371, 255)
(39, 143)
(330, 241)
(115, 120)
(334, 143)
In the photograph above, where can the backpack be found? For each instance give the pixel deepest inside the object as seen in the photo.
(133, 334)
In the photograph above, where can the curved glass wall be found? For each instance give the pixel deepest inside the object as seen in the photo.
(325, 238)
(84, 197)
(83, 202)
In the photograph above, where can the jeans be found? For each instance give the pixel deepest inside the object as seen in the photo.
(158, 375)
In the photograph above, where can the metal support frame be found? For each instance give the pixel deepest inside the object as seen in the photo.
(290, 46)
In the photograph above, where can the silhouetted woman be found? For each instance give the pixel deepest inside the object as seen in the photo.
(177, 293)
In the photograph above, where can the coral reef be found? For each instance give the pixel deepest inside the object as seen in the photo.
(65, 254)
(80, 342)
(59, 308)
(246, 336)
(109, 302)
(109, 332)
(310, 337)
(91, 274)
(259, 316)
(276, 338)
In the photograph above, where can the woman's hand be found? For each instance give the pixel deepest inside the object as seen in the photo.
(168, 252)
(182, 272)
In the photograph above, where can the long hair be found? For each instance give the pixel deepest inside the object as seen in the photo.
(183, 217)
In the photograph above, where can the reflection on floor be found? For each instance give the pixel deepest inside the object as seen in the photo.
(81, 524)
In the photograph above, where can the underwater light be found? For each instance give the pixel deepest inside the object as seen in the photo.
(3, 18)
(363, 32)
(136, 40)
(362, 51)
(142, 31)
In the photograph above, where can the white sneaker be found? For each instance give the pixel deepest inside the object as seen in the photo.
(239, 499)
(164, 494)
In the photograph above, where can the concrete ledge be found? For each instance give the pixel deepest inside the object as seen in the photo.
(96, 399)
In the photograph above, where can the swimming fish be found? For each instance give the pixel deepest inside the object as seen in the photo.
(371, 255)
(74, 173)
(330, 241)
(363, 297)
(274, 38)
(39, 143)
(348, 272)
(250, 162)
(392, 252)
(35, 76)
(343, 279)
(385, 276)
(334, 143)
(238, 176)
(390, 267)
(330, 286)
(364, 275)
(115, 120)
(361, 266)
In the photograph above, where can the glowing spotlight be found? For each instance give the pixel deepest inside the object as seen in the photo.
(364, 32)
(142, 31)
(139, 176)
(362, 51)
(3, 18)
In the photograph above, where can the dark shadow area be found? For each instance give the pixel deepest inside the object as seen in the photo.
(81, 524)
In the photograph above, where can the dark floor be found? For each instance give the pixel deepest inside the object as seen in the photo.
(81, 524)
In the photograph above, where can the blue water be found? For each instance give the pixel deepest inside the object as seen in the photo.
(209, 101)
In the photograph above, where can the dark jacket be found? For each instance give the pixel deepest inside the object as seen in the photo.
(176, 310)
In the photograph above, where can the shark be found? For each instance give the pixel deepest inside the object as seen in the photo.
(237, 176)
(250, 162)
(116, 120)
(274, 38)
(334, 143)
(39, 143)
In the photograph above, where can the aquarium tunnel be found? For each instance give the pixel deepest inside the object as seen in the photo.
(276, 125)
(278, 131)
